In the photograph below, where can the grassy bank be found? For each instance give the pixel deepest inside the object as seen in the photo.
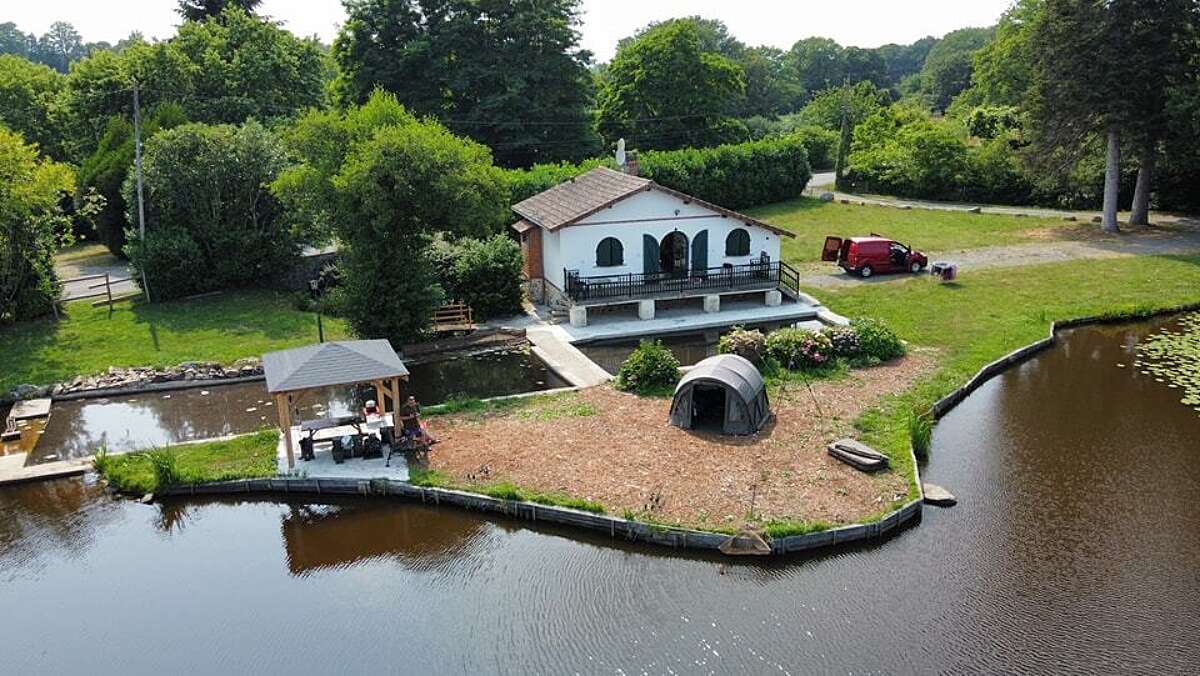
(988, 314)
(929, 230)
(250, 456)
(221, 328)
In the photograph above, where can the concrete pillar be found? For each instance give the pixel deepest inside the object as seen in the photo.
(774, 298)
(712, 303)
(646, 309)
(578, 316)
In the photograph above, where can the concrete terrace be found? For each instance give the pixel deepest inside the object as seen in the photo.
(323, 466)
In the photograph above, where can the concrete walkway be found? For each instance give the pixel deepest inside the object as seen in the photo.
(1178, 240)
(552, 344)
(94, 265)
(14, 471)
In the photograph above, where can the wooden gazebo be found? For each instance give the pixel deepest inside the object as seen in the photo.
(291, 373)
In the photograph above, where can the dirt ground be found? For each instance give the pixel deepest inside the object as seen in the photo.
(619, 450)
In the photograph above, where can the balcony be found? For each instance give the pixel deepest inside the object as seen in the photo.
(759, 276)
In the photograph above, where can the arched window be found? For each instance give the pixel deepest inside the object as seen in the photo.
(737, 243)
(610, 253)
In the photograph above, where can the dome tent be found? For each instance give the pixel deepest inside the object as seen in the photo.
(724, 393)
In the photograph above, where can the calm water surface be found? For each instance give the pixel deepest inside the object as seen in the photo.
(1074, 549)
(77, 429)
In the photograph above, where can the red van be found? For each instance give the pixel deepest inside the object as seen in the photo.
(867, 256)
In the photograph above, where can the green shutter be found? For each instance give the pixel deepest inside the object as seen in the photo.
(700, 253)
(650, 261)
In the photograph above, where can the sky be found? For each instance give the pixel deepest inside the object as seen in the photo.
(859, 23)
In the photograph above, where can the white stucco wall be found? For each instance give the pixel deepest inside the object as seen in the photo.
(653, 213)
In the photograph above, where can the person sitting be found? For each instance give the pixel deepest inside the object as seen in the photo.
(411, 425)
(370, 409)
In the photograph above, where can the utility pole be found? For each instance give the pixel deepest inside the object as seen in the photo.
(137, 163)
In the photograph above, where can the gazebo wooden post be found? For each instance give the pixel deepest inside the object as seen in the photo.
(379, 401)
(283, 402)
(396, 402)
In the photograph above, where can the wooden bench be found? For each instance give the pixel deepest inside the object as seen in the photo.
(453, 317)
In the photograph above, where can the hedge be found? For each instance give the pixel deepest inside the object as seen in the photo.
(735, 176)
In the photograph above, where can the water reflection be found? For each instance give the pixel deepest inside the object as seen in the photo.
(78, 428)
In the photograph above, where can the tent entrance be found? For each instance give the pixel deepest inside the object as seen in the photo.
(708, 408)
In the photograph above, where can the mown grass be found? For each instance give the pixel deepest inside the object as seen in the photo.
(541, 408)
(502, 490)
(250, 456)
(928, 230)
(88, 340)
(81, 251)
(987, 314)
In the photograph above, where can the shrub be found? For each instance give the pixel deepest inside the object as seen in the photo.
(650, 369)
(211, 221)
(820, 144)
(844, 341)
(877, 340)
(484, 273)
(751, 345)
(799, 348)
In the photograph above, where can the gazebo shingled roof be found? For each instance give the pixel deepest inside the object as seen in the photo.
(336, 363)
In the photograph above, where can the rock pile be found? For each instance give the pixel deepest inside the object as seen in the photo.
(137, 377)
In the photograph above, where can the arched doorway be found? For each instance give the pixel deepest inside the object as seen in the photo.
(673, 254)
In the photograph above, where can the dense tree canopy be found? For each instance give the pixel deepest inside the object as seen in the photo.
(947, 69)
(384, 183)
(664, 91)
(198, 10)
(211, 220)
(31, 219)
(58, 47)
(29, 95)
(507, 74)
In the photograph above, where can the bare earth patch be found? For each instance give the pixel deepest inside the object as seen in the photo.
(619, 450)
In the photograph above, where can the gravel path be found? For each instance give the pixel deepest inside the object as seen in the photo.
(94, 265)
(1181, 237)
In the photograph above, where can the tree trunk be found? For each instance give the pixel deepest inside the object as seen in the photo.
(1141, 195)
(1112, 181)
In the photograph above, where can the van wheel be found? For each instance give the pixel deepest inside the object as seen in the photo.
(866, 271)
(915, 267)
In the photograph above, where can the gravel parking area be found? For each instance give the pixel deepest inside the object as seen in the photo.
(618, 449)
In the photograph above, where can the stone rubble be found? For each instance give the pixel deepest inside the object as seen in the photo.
(137, 377)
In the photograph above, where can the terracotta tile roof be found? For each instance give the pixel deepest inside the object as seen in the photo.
(579, 197)
(570, 202)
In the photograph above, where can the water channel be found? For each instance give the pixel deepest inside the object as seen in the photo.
(1074, 548)
(138, 421)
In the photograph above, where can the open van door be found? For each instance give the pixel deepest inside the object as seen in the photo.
(832, 246)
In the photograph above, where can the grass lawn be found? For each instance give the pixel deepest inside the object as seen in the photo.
(928, 230)
(250, 456)
(990, 313)
(222, 328)
(81, 251)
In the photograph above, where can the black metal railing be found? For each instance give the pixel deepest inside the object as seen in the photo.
(643, 284)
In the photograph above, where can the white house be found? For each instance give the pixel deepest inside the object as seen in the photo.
(608, 237)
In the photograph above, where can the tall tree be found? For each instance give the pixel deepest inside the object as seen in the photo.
(386, 182)
(865, 65)
(905, 60)
(29, 102)
(13, 41)
(60, 46)
(947, 69)
(1002, 69)
(198, 10)
(820, 63)
(1103, 69)
(664, 91)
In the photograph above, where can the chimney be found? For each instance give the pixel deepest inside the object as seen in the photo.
(631, 163)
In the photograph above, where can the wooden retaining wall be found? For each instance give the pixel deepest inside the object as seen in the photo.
(615, 527)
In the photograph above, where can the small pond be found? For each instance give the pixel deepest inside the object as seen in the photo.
(78, 428)
(1073, 549)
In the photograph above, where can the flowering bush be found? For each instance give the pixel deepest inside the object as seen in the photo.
(751, 345)
(799, 348)
(845, 341)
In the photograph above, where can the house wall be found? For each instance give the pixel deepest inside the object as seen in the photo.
(654, 213)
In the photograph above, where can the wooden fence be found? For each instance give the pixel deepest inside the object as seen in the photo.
(102, 287)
